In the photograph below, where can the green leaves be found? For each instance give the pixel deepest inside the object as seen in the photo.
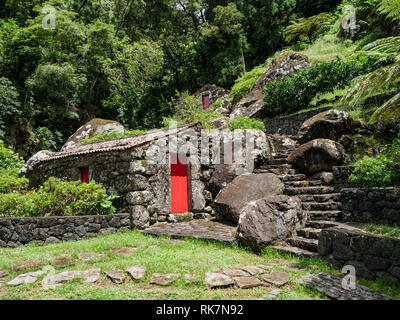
(9, 103)
(58, 197)
(391, 8)
(295, 93)
(304, 28)
(242, 122)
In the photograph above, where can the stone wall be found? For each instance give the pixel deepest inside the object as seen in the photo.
(381, 206)
(290, 125)
(341, 176)
(44, 230)
(141, 175)
(371, 255)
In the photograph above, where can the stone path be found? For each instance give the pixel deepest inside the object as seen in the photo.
(243, 277)
(331, 286)
(199, 229)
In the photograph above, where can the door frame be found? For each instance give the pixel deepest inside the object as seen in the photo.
(189, 184)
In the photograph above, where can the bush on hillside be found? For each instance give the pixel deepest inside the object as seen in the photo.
(378, 172)
(242, 122)
(58, 198)
(296, 92)
(8, 158)
(244, 84)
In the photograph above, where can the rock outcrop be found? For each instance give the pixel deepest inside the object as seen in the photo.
(270, 219)
(317, 155)
(285, 64)
(93, 128)
(331, 124)
(243, 189)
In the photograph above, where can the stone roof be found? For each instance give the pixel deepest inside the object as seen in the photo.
(208, 87)
(116, 144)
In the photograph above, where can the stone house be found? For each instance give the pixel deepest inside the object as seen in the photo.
(210, 93)
(154, 185)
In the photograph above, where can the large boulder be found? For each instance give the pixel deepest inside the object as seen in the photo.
(285, 64)
(331, 124)
(269, 220)
(317, 155)
(93, 128)
(243, 189)
(225, 173)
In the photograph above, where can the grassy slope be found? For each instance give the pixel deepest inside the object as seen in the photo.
(189, 256)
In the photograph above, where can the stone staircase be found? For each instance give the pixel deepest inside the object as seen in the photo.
(320, 203)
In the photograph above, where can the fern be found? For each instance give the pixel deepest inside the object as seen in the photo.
(391, 8)
(304, 28)
(378, 80)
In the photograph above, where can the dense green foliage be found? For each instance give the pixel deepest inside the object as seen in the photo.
(378, 171)
(58, 198)
(244, 84)
(295, 93)
(8, 158)
(242, 122)
(188, 109)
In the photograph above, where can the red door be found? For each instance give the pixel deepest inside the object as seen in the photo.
(179, 188)
(206, 102)
(85, 175)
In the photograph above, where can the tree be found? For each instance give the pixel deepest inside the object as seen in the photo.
(9, 103)
(304, 28)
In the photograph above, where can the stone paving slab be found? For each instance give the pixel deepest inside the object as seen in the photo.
(136, 273)
(331, 286)
(25, 278)
(247, 282)
(199, 229)
(219, 280)
(117, 276)
(164, 279)
(276, 278)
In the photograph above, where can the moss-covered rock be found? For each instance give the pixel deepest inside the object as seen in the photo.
(93, 128)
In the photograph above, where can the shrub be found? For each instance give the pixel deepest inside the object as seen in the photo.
(242, 122)
(8, 158)
(244, 84)
(190, 110)
(10, 182)
(296, 92)
(373, 172)
(59, 198)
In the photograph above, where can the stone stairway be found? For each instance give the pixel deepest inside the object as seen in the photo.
(320, 203)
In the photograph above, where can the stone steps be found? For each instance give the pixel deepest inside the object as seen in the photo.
(303, 243)
(303, 183)
(320, 197)
(322, 206)
(309, 233)
(292, 177)
(275, 166)
(277, 171)
(277, 161)
(294, 250)
(334, 215)
(292, 191)
(320, 224)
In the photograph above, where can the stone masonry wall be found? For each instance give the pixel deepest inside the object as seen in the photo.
(15, 232)
(371, 205)
(371, 255)
(341, 176)
(290, 125)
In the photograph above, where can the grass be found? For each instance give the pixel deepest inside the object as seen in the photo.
(187, 256)
(383, 230)
(328, 48)
(112, 136)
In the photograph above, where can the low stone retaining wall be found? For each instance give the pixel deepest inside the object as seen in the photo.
(341, 176)
(15, 232)
(371, 255)
(291, 124)
(371, 205)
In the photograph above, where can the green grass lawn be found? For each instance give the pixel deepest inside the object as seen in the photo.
(185, 256)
